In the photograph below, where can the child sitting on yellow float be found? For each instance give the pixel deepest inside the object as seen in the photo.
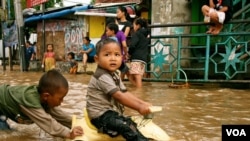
(107, 95)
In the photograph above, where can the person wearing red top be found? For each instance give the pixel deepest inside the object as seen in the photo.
(49, 61)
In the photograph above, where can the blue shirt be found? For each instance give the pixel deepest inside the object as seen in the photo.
(29, 51)
(114, 38)
(90, 45)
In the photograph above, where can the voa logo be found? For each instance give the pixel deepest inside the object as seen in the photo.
(236, 132)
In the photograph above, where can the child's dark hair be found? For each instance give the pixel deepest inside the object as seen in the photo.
(72, 54)
(28, 42)
(52, 81)
(110, 20)
(103, 42)
(87, 38)
(142, 22)
(113, 27)
(51, 45)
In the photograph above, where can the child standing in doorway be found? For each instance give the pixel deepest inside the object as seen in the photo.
(49, 61)
(107, 95)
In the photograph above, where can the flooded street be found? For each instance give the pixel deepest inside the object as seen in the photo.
(194, 114)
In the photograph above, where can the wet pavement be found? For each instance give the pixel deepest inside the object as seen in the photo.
(194, 114)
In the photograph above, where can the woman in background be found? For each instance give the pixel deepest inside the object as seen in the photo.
(88, 52)
(138, 51)
(123, 19)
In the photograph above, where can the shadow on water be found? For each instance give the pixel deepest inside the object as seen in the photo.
(194, 114)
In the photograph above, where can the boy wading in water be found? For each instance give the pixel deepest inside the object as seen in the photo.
(39, 104)
(106, 95)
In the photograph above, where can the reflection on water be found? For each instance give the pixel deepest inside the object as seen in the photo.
(194, 114)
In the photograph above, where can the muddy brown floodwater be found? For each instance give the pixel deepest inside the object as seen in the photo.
(194, 114)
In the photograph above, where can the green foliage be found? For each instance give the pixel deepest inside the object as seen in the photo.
(92, 2)
(48, 4)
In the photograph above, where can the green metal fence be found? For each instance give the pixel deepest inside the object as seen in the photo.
(221, 58)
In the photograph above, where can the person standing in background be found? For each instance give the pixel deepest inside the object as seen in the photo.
(49, 61)
(29, 54)
(111, 30)
(124, 23)
(138, 51)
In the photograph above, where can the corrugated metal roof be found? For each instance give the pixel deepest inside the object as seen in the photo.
(100, 9)
(56, 14)
(100, 5)
(108, 10)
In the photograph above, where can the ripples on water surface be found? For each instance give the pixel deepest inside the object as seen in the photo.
(194, 114)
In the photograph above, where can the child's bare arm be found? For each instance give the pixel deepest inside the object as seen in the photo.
(131, 101)
(125, 49)
(211, 4)
(46, 122)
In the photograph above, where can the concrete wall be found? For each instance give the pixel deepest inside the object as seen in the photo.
(172, 11)
(65, 35)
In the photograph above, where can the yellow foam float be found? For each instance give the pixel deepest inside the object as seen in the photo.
(144, 124)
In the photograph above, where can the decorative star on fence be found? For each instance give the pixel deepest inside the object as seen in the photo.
(158, 59)
(230, 58)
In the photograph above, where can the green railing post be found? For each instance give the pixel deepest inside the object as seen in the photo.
(179, 56)
(207, 58)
